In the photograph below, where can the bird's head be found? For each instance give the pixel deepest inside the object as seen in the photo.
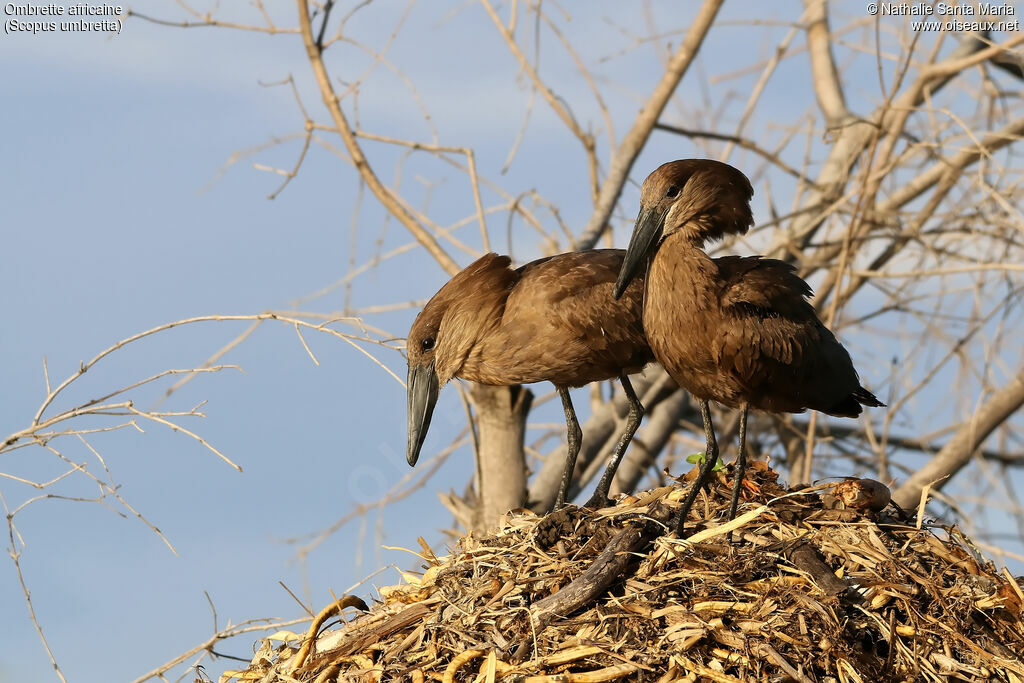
(443, 334)
(423, 382)
(701, 198)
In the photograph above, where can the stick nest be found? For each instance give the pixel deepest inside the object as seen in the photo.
(801, 586)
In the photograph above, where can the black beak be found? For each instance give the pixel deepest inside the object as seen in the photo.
(647, 233)
(423, 391)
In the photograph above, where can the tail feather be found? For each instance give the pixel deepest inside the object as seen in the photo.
(865, 397)
(850, 406)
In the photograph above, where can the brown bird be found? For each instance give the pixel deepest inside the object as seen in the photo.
(736, 330)
(552, 320)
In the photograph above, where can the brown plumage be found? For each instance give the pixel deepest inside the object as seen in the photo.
(552, 320)
(736, 330)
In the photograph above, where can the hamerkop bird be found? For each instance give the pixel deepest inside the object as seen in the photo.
(736, 330)
(552, 320)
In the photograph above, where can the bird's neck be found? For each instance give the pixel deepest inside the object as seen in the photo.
(479, 318)
(681, 310)
(680, 265)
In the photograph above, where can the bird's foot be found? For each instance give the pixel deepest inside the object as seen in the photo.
(599, 500)
(678, 523)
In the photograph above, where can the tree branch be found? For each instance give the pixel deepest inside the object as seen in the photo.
(855, 134)
(558, 105)
(823, 67)
(636, 138)
(330, 97)
(956, 454)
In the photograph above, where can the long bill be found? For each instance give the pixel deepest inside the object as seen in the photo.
(650, 225)
(423, 391)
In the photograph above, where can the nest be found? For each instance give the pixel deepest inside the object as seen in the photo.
(801, 586)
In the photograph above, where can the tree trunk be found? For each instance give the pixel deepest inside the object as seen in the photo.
(501, 464)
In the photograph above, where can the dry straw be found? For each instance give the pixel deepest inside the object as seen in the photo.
(801, 587)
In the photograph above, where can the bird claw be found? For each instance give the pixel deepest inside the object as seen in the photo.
(678, 525)
(598, 501)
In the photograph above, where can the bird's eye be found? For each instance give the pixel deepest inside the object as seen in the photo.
(427, 344)
(672, 191)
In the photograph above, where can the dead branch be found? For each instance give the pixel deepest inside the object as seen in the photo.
(607, 568)
(636, 138)
(384, 196)
(248, 626)
(555, 102)
(964, 444)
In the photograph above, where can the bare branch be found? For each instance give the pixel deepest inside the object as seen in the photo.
(823, 66)
(15, 555)
(636, 138)
(248, 626)
(556, 103)
(956, 454)
(386, 198)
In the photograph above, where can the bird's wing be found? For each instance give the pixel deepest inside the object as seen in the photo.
(567, 301)
(768, 325)
(576, 292)
(774, 343)
(762, 286)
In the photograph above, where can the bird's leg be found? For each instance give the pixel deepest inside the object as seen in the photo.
(710, 460)
(636, 413)
(574, 435)
(741, 463)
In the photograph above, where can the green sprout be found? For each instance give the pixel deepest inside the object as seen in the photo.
(698, 459)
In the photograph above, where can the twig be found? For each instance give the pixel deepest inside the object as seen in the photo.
(386, 198)
(636, 138)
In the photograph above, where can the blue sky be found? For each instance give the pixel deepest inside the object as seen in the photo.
(116, 219)
(112, 227)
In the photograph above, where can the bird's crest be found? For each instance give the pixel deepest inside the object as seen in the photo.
(452, 321)
(708, 199)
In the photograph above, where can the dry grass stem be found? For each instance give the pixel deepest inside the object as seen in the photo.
(815, 592)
